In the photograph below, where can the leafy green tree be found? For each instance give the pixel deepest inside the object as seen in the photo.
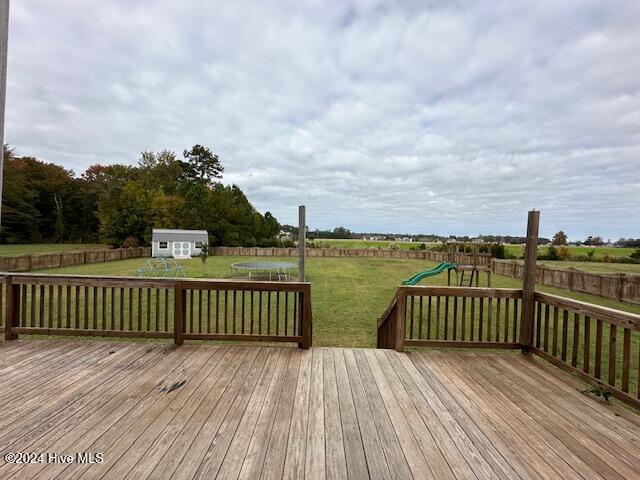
(202, 164)
(559, 238)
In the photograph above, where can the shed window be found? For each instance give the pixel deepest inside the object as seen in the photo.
(198, 244)
(163, 245)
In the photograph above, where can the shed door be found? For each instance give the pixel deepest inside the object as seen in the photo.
(181, 249)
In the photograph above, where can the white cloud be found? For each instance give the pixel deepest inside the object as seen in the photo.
(404, 116)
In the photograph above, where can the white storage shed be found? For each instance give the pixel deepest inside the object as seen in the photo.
(176, 243)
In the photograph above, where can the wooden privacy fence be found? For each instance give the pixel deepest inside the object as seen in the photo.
(26, 263)
(451, 317)
(623, 287)
(156, 308)
(433, 256)
(600, 344)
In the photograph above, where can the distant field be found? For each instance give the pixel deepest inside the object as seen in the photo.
(29, 248)
(514, 250)
(599, 252)
(330, 243)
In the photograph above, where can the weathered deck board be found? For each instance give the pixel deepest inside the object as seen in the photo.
(270, 412)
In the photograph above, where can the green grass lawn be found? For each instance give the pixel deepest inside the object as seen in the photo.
(39, 248)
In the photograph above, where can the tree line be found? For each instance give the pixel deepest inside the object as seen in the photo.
(119, 204)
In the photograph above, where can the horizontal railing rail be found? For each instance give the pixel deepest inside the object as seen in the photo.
(451, 317)
(156, 308)
(599, 344)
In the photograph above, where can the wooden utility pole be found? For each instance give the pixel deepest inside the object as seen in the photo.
(4, 40)
(529, 281)
(302, 240)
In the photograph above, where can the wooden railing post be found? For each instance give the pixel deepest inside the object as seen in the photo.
(13, 308)
(306, 319)
(400, 320)
(179, 298)
(529, 281)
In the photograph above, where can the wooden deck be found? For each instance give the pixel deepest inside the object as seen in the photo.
(202, 411)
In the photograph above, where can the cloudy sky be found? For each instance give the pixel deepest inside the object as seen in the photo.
(447, 117)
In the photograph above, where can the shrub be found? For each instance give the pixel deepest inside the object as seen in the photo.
(552, 254)
(130, 242)
(498, 250)
(635, 254)
(204, 254)
(424, 247)
(564, 253)
(440, 247)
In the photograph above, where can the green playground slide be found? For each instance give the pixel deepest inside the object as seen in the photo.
(429, 273)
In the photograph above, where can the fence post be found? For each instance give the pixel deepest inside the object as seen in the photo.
(178, 312)
(13, 308)
(302, 240)
(620, 292)
(401, 314)
(307, 325)
(529, 281)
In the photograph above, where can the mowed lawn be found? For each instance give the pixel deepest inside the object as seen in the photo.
(348, 294)
(41, 248)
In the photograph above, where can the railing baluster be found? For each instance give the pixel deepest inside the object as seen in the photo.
(32, 306)
(77, 303)
(598, 364)
(421, 316)
(626, 354)
(41, 306)
(226, 310)
(472, 320)
(429, 318)
(490, 319)
(586, 348)
(546, 329)
(538, 324)
(506, 319)
(576, 339)
(438, 318)
(139, 314)
(565, 333)
(286, 313)
(148, 309)
(455, 318)
(251, 313)
(499, 304)
(277, 312)
(515, 320)
(480, 317)
(166, 309)
(259, 313)
(268, 313)
(446, 318)
(121, 308)
(613, 329)
(411, 308)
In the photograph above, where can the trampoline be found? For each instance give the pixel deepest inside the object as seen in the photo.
(282, 271)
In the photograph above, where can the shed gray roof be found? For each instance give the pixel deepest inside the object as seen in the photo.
(176, 235)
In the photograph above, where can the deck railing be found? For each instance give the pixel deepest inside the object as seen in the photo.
(157, 308)
(451, 316)
(600, 344)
